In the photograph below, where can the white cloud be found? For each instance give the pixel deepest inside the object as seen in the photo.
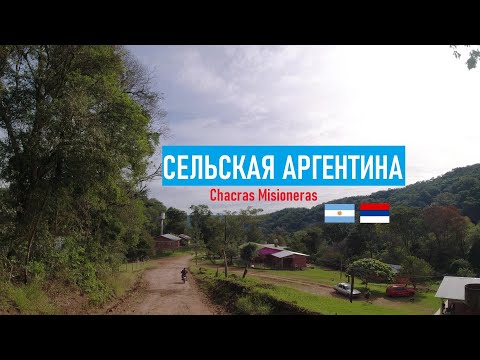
(197, 75)
(418, 96)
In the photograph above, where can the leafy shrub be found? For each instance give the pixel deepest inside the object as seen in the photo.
(370, 270)
(465, 272)
(26, 299)
(458, 264)
(253, 305)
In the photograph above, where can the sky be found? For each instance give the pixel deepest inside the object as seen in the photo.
(418, 96)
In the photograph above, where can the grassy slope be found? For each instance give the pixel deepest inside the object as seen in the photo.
(33, 299)
(25, 299)
(325, 304)
(424, 303)
(126, 278)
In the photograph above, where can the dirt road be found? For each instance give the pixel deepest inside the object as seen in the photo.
(164, 293)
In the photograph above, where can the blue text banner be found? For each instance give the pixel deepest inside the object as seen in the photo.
(283, 165)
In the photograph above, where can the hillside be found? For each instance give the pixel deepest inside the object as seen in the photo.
(459, 187)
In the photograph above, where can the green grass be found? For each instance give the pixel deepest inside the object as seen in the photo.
(327, 305)
(178, 252)
(128, 274)
(312, 303)
(252, 305)
(32, 299)
(424, 301)
(25, 299)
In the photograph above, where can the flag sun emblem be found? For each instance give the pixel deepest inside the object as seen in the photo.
(339, 212)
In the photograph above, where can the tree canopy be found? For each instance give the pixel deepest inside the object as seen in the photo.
(78, 126)
(417, 270)
(433, 220)
(371, 270)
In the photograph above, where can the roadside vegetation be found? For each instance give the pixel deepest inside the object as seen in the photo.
(256, 296)
(79, 125)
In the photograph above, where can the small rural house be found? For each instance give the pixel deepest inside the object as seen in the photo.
(185, 239)
(277, 257)
(167, 242)
(460, 296)
(266, 249)
(286, 259)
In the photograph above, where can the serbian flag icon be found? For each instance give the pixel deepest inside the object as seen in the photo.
(375, 213)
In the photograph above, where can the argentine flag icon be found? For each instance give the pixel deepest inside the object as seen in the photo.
(339, 213)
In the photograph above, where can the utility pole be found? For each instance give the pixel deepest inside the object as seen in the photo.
(341, 268)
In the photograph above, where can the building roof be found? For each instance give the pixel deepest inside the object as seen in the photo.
(286, 253)
(453, 287)
(395, 268)
(170, 237)
(183, 236)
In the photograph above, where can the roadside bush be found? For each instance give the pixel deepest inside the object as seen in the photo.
(37, 271)
(253, 305)
(466, 272)
(458, 264)
(242, 296)
(24, 299)
(72, 263)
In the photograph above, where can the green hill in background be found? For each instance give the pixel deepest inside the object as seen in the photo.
(459, 187)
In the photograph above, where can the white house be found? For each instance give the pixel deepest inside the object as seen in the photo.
(460, 296)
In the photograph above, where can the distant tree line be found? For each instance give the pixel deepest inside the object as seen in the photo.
(436, 221)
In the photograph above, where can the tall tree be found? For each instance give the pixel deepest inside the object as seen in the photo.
(250, 218)
(370, 270)
(407, 226)
(199, 218)
(474, 252)
(312, 238)
(80, 125)
(417, 270)
(248, 253)
(176, 221)
(449, 229)
(153, 210)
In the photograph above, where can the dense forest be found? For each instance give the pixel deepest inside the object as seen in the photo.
(459, 187)
(435, 220)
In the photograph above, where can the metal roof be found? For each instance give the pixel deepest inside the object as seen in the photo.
(170, 237)
(285, 253)
(186, 237)
(395, 268)
(453, 287)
